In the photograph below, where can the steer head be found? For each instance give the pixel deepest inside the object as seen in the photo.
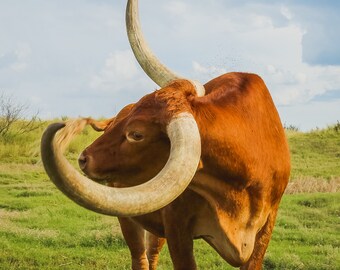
(154, 144)
(135, 146)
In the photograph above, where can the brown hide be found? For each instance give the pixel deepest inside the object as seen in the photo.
(233, 199)
(245, 155)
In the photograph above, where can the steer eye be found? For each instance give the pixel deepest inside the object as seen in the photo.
(134, 136)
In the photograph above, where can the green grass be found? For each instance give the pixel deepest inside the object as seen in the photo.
(306, 235)
(41, 229)
(315, 154)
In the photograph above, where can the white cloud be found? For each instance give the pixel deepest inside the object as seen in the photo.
(260, 21)
(275, 53)
(300, 84)
(286, 12)
(176, 7)
(23, 51)
(18, 59)
(19, 66)
(211, 71)
(120, 66)
(289, 85)
(252, 38)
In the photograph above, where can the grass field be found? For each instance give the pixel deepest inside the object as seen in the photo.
(41, 229)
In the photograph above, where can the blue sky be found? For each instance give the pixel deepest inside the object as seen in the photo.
(73, 58)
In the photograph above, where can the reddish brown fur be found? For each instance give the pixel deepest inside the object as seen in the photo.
(233, 199)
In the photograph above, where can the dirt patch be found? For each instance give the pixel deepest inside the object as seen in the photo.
(313, 185)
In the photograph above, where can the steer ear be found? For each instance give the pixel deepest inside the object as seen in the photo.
(100, 125)
(103, 125)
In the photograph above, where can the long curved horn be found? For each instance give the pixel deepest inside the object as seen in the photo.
(170, 182)
(158, 72)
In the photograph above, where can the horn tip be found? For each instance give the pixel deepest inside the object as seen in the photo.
(54, 127)
(51, 130)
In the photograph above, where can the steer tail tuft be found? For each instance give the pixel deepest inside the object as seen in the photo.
(72, 128)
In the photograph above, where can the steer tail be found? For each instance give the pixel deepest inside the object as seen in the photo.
(72, 128)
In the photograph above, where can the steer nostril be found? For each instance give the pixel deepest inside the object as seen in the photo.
(82, 160)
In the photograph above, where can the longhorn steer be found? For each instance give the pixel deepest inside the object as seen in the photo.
(216, 155)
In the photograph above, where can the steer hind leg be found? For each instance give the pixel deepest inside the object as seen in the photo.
(154, 246)
(261, 244)
(134, 236)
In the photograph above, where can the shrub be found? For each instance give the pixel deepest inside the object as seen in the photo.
(291, 127)
(10, 114)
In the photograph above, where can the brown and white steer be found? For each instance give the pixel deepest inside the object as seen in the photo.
(185, 162)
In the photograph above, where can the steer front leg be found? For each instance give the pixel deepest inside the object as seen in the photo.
(178, 234)
(134, 236)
